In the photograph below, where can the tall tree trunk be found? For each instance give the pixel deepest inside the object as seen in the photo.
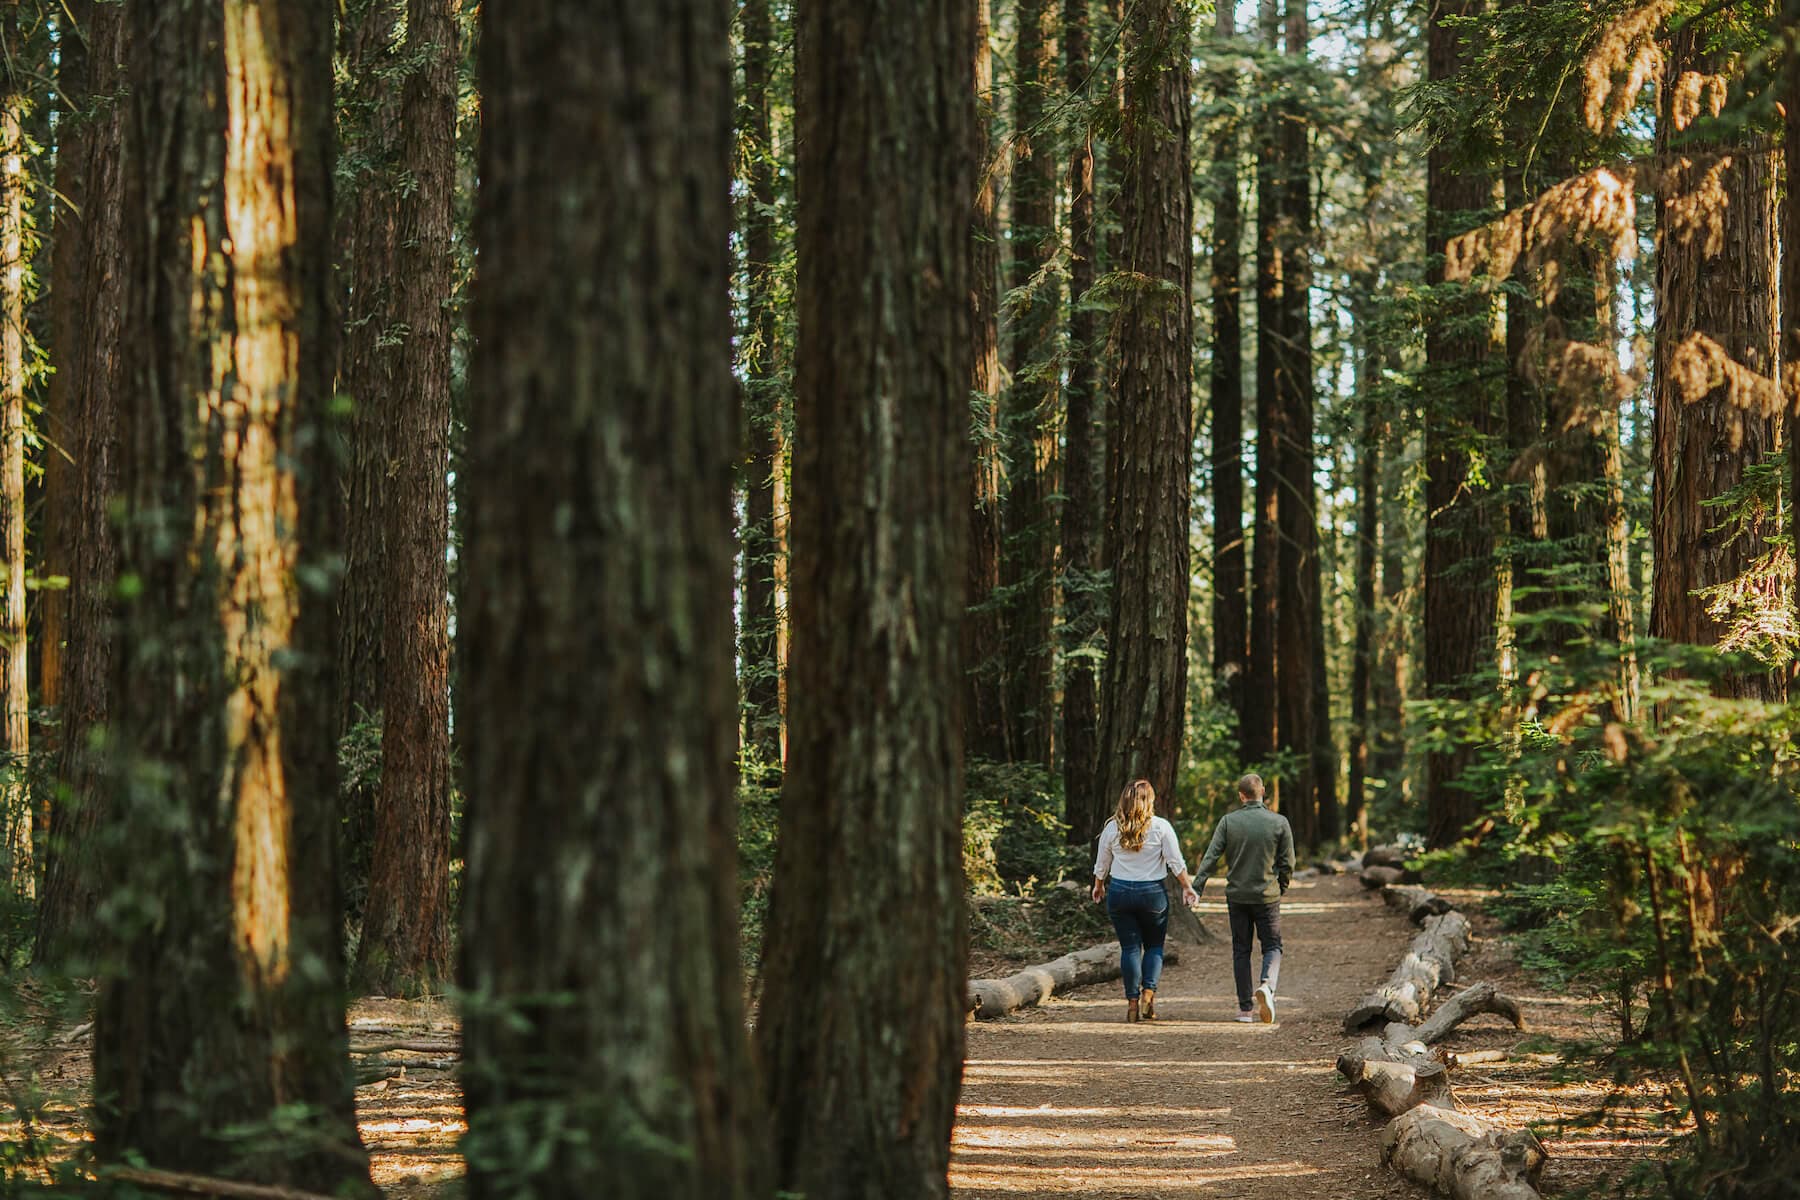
(871, 810)
(1260, 728)
(15, 681)
(606, 1054)
(760, 661)
(1297, 621)
(405, 944)
(89, 271)
(1231, 620)
(1368, 516)
(222, 1008)
(1715, 279)
(1083, 470)
(1324, 744)
(1028, 426)
(1790, 291)
(1150, 438)
(986, 720)
(1459, 597)
(65, 281)
(1395, 635)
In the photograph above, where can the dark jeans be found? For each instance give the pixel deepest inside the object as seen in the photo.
(1265, 921)
(1139, 909)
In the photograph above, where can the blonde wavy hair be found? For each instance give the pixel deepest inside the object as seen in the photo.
(1137, 804)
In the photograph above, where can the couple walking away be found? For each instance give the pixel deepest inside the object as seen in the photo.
(1137, 848)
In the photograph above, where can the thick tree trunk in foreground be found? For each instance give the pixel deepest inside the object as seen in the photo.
(605, 1047)
(759, 639)
(220, 1042)
(15, 681)
(1084, 468)
(89, 274)
(1715, 282)
(1459, 598)
(863, 1091)
(405, 945)
(1231, 617)
(1150, 438)
(985, 719)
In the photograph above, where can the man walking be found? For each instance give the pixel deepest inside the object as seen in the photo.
(1258, 848)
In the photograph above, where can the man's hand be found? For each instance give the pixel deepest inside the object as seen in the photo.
(1099, 890)
(1190, 897)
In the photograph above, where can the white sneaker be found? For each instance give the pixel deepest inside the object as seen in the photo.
(1244, 1018)
(1265, 1005)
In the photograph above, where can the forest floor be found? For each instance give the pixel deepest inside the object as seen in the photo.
(1067, 1100)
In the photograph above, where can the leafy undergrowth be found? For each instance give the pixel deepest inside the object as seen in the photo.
(1009, 932)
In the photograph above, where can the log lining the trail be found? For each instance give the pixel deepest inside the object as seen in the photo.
(989, 998)
(1430, 963)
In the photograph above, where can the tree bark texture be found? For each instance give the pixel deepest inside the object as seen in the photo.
(1260, 721)
(986, 720)
(67, 208)
(405, 944)
(15, 676)
(1231, 618)
(1028, 408)
(1790, 287)
(1083, 467)
(89, 272)
(604, 1039)
(759, 638)
(863, 1090)
(1459, 596)
(1716, 277)
(221, 1007)
(1368, 517)
(1150, 438)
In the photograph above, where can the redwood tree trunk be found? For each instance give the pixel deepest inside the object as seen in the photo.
(604, 1043)
(1716, 277)
(1368, 516)
(1231, 620)
(758, 642)
(1260, 717)
(220, 1043)
(1028, 429)
(89, 275)
(985, 720)
(1790, 287)
(1150, 438)
(867, 902)
(1085, 799)
(405, 945)
(1459, 597)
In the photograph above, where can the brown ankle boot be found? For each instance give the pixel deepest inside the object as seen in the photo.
(1131, 1012)
(1147, 1004)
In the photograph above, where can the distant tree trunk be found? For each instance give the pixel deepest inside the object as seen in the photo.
(1083, 466)
(1150, 438)
(984, 628)
(1459, 597)
(65, 281)
(1394, 633)
(1368, 516)
(1298, 619)
(89, 272)
(1231, 620)
(1028, 411)
(760, 661)
(220, 1041)
(605, 1049)
(15, 681)
(1260, 718)
(405, 944)
(1715, 277)
(1324, 743)
(871, 810)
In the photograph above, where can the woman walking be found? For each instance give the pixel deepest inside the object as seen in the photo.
(1137, 849)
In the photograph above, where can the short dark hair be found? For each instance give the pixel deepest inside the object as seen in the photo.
(1251, 786)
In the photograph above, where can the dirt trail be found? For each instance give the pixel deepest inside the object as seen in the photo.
(1068, 1100)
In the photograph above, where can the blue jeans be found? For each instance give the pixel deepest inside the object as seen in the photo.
(1265, 921)
(1139, 909)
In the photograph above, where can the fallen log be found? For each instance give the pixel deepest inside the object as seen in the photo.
(1430, 963)
(1381, 877)
(1397, 1071)
(183, 1184)
(989, 998)
(1462, 1155)
(1418, 902)
(1384, 856)
(1472, 1001)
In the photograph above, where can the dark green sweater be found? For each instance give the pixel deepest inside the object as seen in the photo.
(1258, 848)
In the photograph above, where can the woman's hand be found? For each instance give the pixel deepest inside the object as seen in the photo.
(1190, 897)
(1099, 890)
